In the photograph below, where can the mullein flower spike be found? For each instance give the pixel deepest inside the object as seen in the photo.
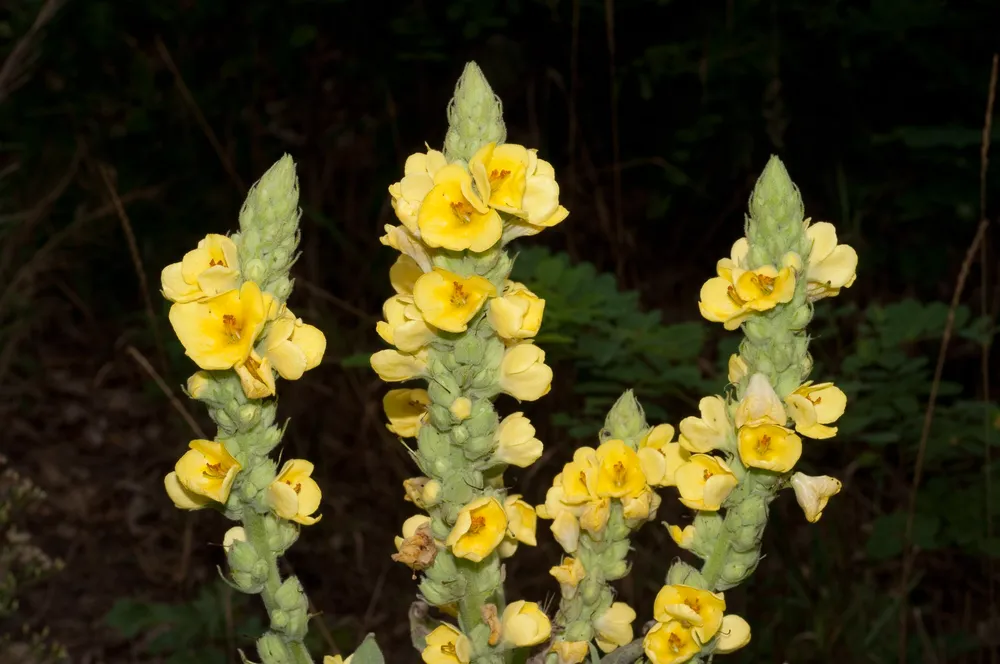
(230, 315)
(745, 445)
(457, 322)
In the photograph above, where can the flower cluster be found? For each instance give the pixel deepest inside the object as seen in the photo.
(230, 315)
(595, 503)
(746, 444)
(457, 321)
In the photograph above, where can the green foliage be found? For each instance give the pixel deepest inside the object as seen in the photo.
(605, 338)
(191, 632)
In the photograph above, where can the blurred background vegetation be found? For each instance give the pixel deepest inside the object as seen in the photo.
(130, 129)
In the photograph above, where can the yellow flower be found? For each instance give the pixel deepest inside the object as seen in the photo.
(640, 508)
(566, 529)
(737, 368)
(734, 634)
(670, 643)
(516, 442)
(417, 182)
(180, 496)
(523, 372)
(337, 659)
(569, 575)
(619, 472)
(209, 270)
(683, 537)
(524, 624)
(421, 491)
(219, 333)
(579, 477)
(501, 171)
(479, 529)
(709, 432)
(595, 516)
(206, 470)
(198, 383)
(517, 314)
(660, 457)
(404, 274)
(410, 527)
(454, 217)
(448, 301)
(698, 609)
(832, 266)
(770, 447)
(294, 495)
(256, 376)
(813, 493)
(404, 326)
(405, 242)
(705, 482)
(233, 535)
(571, 652)
(760, 404)
(446, 645)
(614, 626)
(521, 520)
(405, 410)
(393, 366)
(736, 294)
(814, 406)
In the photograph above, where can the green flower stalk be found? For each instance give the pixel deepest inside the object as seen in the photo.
(457, 322)
(743, 448)
(230, 314)
(596, 502)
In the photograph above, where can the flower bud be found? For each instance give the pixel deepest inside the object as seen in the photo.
(254, 270)
(477, 448)
(475, 116)
(461, 408)
(262, 475)
(681, 573)
(242, 556)
(469, 350)
(224, 421)
(249, 413)
(201, 385)
(578, 631)
(617, 569)
(281, 534)
(290, 595)
(272, 649)
(626, 419)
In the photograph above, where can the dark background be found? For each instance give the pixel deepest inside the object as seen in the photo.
(658, 117)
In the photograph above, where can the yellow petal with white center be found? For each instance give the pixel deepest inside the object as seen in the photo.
(734, 634)
(448, 301)
(670, 643)
(478, 530)
(452, 218)
(406, 410)
(523, 372)
(181, 497)
(813, 493)
(683, 537)
(705, 482)
(571, 652)
(521, 520)
(294, 494)
(393, 366)
(693, 607)
(813, 407)
(446, 645)
(517, 314)
(710, 431)
(219, 332)
(208, 470)
(404, 241)
(619, 472)
(566, 529)
(516, 442)
(614, 626)
(524, 624)
(760, 404)
(769, 447)
(256, 377)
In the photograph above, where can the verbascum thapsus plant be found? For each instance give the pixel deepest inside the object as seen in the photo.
(229, 312)
(460, 325)
(743, 448)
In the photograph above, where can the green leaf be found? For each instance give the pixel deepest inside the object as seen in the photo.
(368, 652)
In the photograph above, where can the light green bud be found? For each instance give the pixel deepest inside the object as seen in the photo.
(459, 434)
(590, 590)
(263, 474)
(475, 116)
(439, 416)
(249, 414)
(578, 631)
(247, 582)
(272, 649)
(483, 419)
(617, 569)
(254, 270)
(290, 595)
(281, 534)
(282, 287)
(469, 350)
(279, 619)
(617, 550)
(487, 578)
(625, 420)
(441, 593)
(242, 556)
(224, 421)
(432, 446)
(801, 317)
(484, 379)
(776, 213)
(477, 448)
(249, 242)
(680, 573)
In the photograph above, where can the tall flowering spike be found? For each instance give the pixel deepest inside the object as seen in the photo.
(745, 444)
(230, 315)
(269, 229)
(595, 504)
(475, 116)
(458, 322)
